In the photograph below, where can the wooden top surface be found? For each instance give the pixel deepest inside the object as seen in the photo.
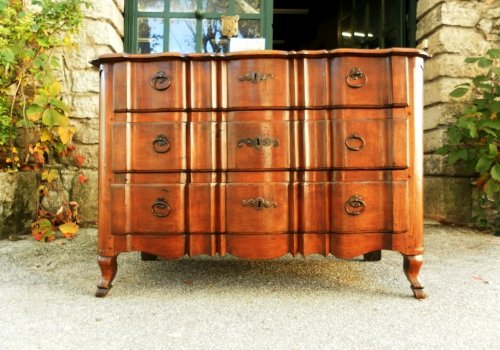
(119, 57)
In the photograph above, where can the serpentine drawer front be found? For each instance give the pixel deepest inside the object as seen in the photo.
(261, 154)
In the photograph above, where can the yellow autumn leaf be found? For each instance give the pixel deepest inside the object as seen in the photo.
(49, 175)
(66, 134)
(54, 89)
(45, 135)
(69, 229)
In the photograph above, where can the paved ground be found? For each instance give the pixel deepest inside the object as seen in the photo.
(47, 302)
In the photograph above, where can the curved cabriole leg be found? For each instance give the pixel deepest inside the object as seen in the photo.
(373, 256)
(108, 267)
(411, 267)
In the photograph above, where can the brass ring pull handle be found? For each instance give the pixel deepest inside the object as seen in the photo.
(160, 81)
(259, 142)
(258, 203)
(356, 78)
(161, 144)
(160, 208)
(256, 77)
(354, 142)
(355, 205)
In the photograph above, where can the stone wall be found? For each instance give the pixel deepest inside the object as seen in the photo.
(102, 32)
(454, 30)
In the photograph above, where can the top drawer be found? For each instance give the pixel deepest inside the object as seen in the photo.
(258, 83)
(369, 81)
(145, 86)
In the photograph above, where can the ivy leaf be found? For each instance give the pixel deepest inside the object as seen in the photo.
(483, 164)
(471, 59)
(459, 92)
(495, 172)
(456, 155)
(59, 104)
(491, 187)
(51, 117)
(40, 100)
(34, 112)
(484, 62)
(493, 53)
(493, 124)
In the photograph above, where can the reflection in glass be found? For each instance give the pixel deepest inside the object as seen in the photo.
(373, 30)
(214, 42)
(182, 36)
(149, 35)
(150, 5)
(247, 6)
(346, 34)
(219, 6)
(182, 5)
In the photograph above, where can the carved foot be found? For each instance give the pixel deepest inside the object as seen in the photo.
(411, 267)
(108, 267)
(373, 256)
(148, 257)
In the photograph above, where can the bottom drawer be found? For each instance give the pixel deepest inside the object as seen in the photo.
(259, 208)
(147, 209)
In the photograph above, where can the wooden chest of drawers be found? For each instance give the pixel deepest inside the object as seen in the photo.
(260, 154)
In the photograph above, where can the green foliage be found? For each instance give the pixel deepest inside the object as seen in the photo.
(30, 93)
(473, 140)
(31, 96)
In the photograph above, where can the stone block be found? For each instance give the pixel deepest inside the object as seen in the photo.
(450, 65)
(461, 13)
(86, 195)
(88, 131)
(437, 164)
(106, 11)
(85, 105)
(80, 57)
(423, 6)
(102, 33)
(438, 90)
(434, 139)
(90, 152)
(18, 202)
(459, 40)
(448, 199)
(442, 114)
(83, 81)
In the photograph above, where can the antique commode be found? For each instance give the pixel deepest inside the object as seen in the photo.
(260, 154)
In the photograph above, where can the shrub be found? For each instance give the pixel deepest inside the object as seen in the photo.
(473, 140)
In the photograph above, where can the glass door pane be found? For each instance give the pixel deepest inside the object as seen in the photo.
(150, 5)
(150, 35)
(247, 6)
(182, 5)
(218, 6)
(182, 35)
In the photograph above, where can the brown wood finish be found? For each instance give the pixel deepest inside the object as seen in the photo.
(260, 154)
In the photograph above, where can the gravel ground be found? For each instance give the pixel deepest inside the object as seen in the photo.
(47, 299)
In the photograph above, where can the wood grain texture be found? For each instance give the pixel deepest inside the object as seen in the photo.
(261, 154)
